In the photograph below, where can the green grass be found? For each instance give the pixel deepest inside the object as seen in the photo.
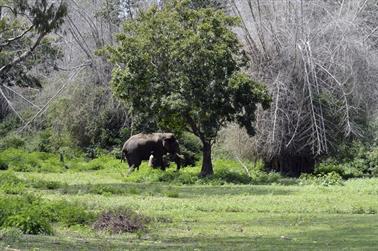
(211, 215)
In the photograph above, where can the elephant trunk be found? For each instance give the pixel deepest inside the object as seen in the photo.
(178, 158)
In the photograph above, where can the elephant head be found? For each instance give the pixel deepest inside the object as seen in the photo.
(172, 147)
(170, 143)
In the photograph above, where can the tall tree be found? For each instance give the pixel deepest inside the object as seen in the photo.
(183, 67)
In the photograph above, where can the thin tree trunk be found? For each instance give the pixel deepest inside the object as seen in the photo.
(207, 165)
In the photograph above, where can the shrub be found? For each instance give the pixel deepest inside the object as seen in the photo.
(172, 194)
(33, 215)
(23, 161)
(106, 189)
(44, 142)
(187, 178)
(353, 160)
(12, 140)
(8, 124)
(262, 177)
(121, 220)
(10, 184)
(68, 214)
(18, 212)
(232, 176)
(328, 179)
(99, 121)
(30, 221)
(71, 214)
(372, 161)
(3, 165)
(226, 171)
(43, 184)
(363, 210)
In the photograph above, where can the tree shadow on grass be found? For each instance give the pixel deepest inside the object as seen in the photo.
(161, 189)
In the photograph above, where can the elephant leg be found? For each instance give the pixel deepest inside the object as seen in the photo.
(177, 160)
(160, 162)
(133, 164)
(162, 167)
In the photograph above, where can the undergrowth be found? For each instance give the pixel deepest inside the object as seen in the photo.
(33, 215)
(226, 171)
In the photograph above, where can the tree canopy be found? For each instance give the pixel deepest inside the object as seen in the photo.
(184, 66)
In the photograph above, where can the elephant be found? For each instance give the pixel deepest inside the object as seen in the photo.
(140, 146)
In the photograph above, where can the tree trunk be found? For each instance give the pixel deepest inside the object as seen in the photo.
(207, 165)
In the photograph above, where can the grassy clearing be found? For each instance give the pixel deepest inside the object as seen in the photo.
(204, 215)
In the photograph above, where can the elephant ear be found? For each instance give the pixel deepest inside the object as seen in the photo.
(168, 142)
(165, 142)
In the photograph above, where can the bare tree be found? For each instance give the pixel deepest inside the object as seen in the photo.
(319, 59)
(25, 27)
(88, 101)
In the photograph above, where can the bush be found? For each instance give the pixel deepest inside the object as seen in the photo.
(226, 171)
(12, 206)
(364, 165)
(69, 214)
(8, 124)
(328, 179)
(354, 160)
(372, 161)
(12, 140)
(30, 221)
(3, 165)
(44, 184)
(10, 184)
(22, 161)
(99, 121)
(232, 176)
(102, 162)
(33, 215)
(187, 178)
(172, 194)
(106, 189)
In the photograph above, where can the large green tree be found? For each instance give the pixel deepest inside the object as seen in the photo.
(183, 66)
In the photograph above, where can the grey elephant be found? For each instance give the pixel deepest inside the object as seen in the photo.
(140, 146)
